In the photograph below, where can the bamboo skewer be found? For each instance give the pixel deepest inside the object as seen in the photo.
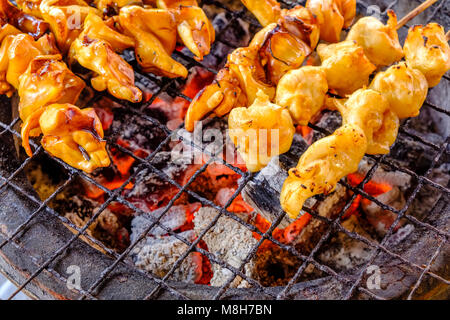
(415, 12)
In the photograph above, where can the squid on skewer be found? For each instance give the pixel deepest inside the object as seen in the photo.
(16, 52)
(404, 87)
(154, 33)
(69, 133)
(380, 42)
(275, 50)
(426, 49)
(303, 92)
(346, 66)
(27, 23)
(368, 125)
(43, 81)
(193, 26)
(331, 15)
(394, 94)
(261, 131)
(322, 165)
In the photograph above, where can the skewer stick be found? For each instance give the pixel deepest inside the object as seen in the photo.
(411, 15)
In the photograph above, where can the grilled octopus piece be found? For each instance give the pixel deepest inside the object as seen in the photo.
(16, 53)
(10, 14)
(154, 32)
(346, 66)
(404, 87)
(426, 49)
(112, 72)
(380, 42)
(261, 131)
(46, 81)
(70, 134)
(302, 92)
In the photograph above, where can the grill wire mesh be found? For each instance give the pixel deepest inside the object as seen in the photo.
(333, 225)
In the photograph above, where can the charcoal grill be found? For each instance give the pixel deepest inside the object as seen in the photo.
(36, 247)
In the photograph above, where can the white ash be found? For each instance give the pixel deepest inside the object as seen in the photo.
(399, 236)
(229, 241)
(344, 253)
(172, 219)
(148, 181)
(393, 178)
(157, 255)
(382, 219)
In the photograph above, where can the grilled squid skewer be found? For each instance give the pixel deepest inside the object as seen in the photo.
(274, 51)
(69, 133)
(397, 93)
(45, 84)
(380, 42)
(426, 49)
(261, 131)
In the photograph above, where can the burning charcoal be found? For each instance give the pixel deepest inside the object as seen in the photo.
(175, 218)
(139, 133)
(172, 219)
(230, 242)
(382, 219)
(151, 191)
(107, 227)
(157, 255)
(263, 192)
(330, 207)
(343, 253)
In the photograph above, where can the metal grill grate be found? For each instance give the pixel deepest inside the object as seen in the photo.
(353, 284)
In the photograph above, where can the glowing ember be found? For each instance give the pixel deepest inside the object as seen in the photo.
(371, 187)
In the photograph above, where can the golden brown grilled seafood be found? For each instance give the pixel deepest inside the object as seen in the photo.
(219, 97)
(266, 11)
(302, 92)
(405, 89)
(332, 16)
(154, 31)
(346, 66)
(193, 26)
(236, 84)
(112, 72)
(275, 50)
(70, 134)
(380, 42)
(261, 131)
(46, 81)
(370, 110)
(66, 19)
(36, 70)
(16, 53)
(426, 49)
(27, 23)
(322, 165)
